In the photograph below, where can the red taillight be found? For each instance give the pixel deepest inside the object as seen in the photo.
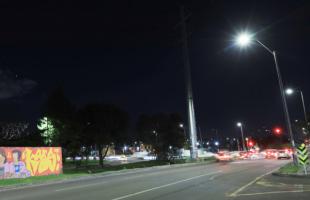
(289, 151)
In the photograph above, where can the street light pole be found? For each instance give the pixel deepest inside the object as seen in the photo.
(281, 87)
(245, 39)
(290, 91)
(287, 116)
(242, 135)
(304, 107)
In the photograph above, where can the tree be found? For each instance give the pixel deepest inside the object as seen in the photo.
(47, 130)
(163, 132)
(62, 116)
(301, 131)
(58, 106)
(103, 124)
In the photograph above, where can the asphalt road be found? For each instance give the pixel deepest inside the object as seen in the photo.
(235, 180)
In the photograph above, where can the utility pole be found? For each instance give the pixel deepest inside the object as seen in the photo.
(242, 136)
(200, 136)
(189, 92)
(238, 145)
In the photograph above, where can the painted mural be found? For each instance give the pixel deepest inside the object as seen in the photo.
(22, 162)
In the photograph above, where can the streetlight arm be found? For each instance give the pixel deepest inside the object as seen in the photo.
(269, 50)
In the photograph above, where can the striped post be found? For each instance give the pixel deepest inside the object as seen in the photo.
(303, 158)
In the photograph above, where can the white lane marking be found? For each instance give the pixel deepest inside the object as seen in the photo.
(250, 183)
(213, 177)
(79, 186)
(163, 186)
(274, 192)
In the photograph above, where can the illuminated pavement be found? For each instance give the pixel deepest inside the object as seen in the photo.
(236, 180)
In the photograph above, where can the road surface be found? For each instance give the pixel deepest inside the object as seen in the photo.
(236, 180)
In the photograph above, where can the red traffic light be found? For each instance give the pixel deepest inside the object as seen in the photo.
(251, 144)
(277, 131)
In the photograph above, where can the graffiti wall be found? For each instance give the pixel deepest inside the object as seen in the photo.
(21, 162)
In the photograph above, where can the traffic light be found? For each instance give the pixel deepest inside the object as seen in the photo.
(277, 131)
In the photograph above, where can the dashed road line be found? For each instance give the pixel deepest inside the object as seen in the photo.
(164, 186)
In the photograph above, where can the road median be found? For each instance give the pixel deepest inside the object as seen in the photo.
(291, 170)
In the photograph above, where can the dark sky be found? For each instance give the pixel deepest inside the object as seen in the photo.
(129, 53)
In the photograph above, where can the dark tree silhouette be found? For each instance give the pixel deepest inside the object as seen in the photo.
(162, 132)
(103, 124)
(62, 113)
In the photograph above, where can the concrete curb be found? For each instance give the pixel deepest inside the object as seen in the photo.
(181, 165)
(98, 175)
(291, 175)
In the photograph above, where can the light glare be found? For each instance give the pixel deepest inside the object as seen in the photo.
(244, 39)
(289, 91)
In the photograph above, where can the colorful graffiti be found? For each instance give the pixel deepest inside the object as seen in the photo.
(21, 162)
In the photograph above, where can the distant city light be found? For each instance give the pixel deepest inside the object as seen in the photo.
(239, 124)
(216, 143)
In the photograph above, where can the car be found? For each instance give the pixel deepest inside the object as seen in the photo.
(284, 154)
(244, 155)
(223, 156)
(256, 156)
(271, 154)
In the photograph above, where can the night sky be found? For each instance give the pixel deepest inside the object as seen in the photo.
(129, 53)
